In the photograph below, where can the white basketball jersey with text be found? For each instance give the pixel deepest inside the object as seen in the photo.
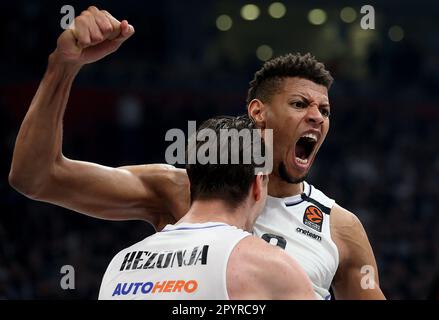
(301, 225)
(185, 261)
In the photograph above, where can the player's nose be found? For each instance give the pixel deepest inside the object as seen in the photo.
(314, 115)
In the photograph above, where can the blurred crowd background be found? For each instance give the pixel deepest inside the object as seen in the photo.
(190, 60)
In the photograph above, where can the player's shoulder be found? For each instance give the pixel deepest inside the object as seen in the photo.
(253, 249)
(348, 233)
(258, 270)
(343, 219)
(345, 227)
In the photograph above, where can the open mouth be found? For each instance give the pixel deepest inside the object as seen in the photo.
(304, 148)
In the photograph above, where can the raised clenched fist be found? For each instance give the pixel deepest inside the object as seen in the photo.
(93, 35)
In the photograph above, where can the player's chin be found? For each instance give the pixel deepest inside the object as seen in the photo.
(298, 175)
(292, 174)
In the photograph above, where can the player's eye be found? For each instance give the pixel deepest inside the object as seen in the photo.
(298, 104)
(325, 112)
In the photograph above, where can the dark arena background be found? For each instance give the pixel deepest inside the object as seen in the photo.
(190, 60)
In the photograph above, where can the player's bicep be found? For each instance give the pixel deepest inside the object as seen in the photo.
(358, 282)
(357, 276)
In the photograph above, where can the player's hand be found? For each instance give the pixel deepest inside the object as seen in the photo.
(93, 35)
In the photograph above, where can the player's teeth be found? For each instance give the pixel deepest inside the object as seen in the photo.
(311, 136)
(302, 161)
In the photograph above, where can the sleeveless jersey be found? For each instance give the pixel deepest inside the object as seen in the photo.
(301, 225)
(184, 261)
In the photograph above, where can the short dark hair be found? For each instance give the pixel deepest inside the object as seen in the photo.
(227, 182)
(269, 78)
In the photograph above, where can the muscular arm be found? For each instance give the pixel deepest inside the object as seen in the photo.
(257, 270)
(357, 274)
(39, 170)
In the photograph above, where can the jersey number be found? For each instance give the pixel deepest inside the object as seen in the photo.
(280, 242)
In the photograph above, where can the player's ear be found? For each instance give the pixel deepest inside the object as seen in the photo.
(256, 111)
(258, 186)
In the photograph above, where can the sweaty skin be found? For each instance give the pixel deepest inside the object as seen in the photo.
(160, 193)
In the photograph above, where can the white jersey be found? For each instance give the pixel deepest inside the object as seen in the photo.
(300, 225)
(185, 261)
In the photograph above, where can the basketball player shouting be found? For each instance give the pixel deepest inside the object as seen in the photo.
(207, 254)
(289, 95)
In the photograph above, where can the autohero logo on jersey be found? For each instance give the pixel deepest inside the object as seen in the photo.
(136, 260)
(313, 218)
(167, 286)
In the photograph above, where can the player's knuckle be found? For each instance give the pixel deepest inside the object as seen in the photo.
(109, 27)
(97, 38)
(105, 25)
(85, 13)
(96, 35)
(84, 41)
(81, 20)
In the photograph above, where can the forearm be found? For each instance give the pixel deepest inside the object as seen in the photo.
(39, 141)
(40, 171)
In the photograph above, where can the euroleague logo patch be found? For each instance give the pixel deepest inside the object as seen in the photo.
(313, 218)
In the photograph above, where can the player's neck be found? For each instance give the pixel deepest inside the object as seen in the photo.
(279, 188)
(216, 211)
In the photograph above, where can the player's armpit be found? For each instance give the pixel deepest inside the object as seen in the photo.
(156, 193)
(357, 274)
